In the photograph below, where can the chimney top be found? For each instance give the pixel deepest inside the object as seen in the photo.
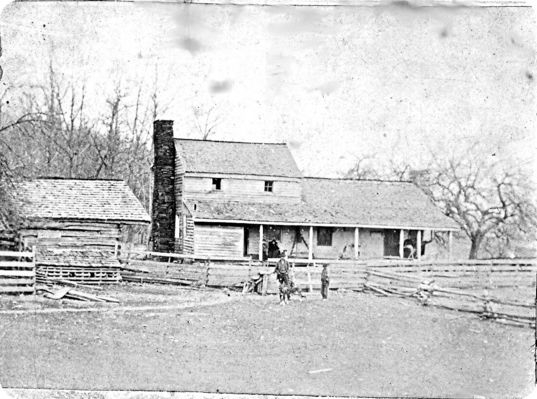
(163, 122)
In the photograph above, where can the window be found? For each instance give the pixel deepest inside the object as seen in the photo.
(324, 237)
(217, 183)
(269, 186)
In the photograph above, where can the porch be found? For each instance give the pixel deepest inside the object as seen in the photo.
(263, 241)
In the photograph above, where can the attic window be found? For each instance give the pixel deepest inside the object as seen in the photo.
(269, 186)
(217, 183)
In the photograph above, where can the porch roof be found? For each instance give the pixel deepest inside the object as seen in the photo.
(335, 202)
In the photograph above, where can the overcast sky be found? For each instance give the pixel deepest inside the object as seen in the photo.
(334, 82)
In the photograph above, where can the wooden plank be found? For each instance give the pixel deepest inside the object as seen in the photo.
(215, 266)
(219, 240)
(16, 281)
(21, 265)
(17, 273)
(12, 289)
(13, 254)
(356, 243)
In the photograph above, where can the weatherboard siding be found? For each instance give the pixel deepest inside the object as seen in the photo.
(188, 241)
(218, 241)
(241, 189)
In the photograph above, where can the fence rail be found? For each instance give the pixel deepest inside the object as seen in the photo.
(450, 285)
(17, 272)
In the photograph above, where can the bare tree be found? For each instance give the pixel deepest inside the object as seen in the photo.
(485, 200)
(363, 168)
(63, 132)
(13, 121)
(207, 120)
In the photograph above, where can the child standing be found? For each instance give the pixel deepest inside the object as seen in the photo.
(325, 282)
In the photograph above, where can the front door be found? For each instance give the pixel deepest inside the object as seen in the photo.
(246, 238)
(391, 243)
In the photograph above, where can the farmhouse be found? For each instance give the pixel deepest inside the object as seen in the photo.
(77, 225)
(230, 199)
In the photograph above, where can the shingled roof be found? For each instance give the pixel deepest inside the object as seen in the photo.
(337, 202)
(231, 157)
(96, 200)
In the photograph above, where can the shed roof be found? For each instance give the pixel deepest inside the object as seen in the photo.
(344, 202)
(232, 157)
(97, 200)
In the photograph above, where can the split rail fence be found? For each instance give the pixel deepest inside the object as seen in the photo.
(17, 272)
(483, 287)
(232, 272)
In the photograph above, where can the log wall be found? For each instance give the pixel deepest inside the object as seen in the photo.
(75, 250)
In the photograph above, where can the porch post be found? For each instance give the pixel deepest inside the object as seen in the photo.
(401, 243)
(418, 245)
(261, 242)
(310, 245)
(450, 243)
(356, 242)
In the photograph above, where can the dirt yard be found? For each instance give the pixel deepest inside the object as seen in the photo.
(188, 340)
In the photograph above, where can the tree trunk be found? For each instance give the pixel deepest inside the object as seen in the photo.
(474, 249)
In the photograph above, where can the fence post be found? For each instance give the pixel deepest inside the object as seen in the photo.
(310, 285)
(207, 265)
(35, 269)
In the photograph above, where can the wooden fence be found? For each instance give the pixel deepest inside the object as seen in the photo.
(344, 273)
(468, 274)
(457, 285)
(229, 272)
(17, 272)
(428, 292)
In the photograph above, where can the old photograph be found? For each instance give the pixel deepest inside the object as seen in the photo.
(236, 199)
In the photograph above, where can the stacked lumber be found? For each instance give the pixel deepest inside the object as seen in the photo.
(17, 272)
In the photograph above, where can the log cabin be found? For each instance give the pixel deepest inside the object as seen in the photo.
(229, 199)
(77, 225)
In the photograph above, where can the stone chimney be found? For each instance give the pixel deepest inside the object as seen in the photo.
(163, 209)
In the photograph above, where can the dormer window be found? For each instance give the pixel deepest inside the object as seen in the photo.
(217, 183)
(269, 186)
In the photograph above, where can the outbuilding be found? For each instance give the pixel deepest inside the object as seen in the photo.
(77, 226)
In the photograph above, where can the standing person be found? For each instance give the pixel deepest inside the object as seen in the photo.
(273, 249)
(282, 274)
(325, 282)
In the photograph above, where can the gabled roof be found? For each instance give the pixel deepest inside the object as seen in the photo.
(231, 157)
(97, 200)
(344, 202)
